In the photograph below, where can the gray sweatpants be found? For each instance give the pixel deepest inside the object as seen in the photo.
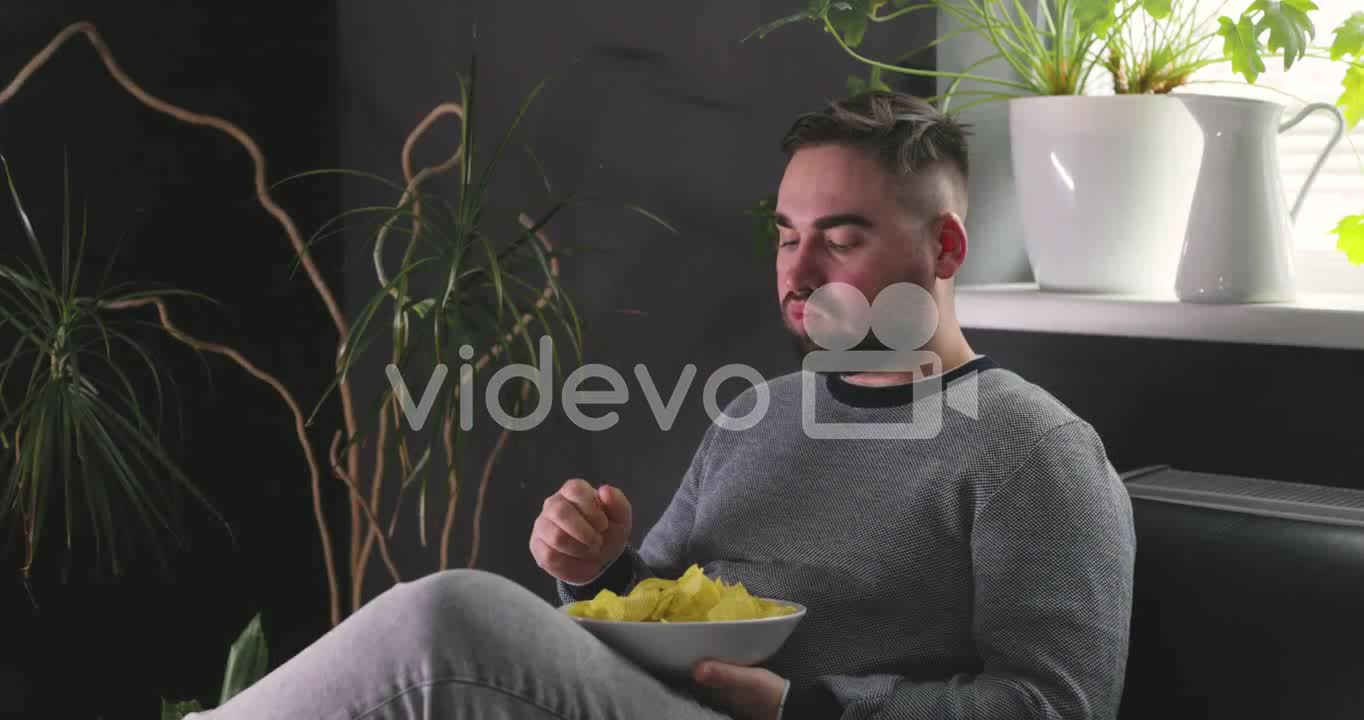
(460, 644)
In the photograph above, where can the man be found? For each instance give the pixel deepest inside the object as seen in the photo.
(981, 568)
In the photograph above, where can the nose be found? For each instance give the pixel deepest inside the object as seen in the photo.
(799, 268)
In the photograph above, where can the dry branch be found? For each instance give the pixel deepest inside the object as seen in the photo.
(266, 201)
(300, 425)
(361, 508)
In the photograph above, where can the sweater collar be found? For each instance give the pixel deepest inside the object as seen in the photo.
(871, 396)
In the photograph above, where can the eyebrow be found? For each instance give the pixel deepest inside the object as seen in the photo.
(829, 221)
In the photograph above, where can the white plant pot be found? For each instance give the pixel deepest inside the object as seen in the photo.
(1105, 185)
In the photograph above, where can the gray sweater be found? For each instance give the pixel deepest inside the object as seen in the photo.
(982, 571)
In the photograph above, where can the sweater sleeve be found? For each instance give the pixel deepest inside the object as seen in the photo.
(664, 552)
(1053, 553)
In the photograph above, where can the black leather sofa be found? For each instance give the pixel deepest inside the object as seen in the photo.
(1249, 599)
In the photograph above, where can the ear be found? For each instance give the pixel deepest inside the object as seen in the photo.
(950, 245)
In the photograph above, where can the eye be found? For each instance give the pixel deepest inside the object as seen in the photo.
(844, 242)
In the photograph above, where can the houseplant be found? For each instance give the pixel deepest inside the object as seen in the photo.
(1060, 54)
(80, 435)
(470, 273)
(79, 431)
(248, 660)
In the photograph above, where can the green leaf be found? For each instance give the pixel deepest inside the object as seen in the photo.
(1351, 101)
(1349, 38)
(764, 226)
(1290, 30)
(1349, 234)
(763, 31)
(423, 307)
(1158, 9)
(651, 216)
(1094, 17)
(176, 711)
(849, 20)
(247, 660)
(23, 217)
(1241, 47)
(506, 138)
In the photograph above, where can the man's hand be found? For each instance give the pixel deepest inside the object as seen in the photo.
(580, 530)
(747, 693)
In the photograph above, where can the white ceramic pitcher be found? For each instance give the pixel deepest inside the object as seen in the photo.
(1238, 245)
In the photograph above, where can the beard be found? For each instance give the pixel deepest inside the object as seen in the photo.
(802, 345)
(837, 322)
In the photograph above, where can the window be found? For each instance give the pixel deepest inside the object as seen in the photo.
(1339, 186)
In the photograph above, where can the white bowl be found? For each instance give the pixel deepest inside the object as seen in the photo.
(674, 648)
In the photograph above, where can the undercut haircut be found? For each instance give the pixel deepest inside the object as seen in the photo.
(923, 148)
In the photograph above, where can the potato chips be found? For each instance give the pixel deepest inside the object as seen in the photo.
(690, 598)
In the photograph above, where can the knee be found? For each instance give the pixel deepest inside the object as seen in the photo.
(453, 602)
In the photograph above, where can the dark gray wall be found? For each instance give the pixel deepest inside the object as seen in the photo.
(1284, 413)
(669, 111)
(684, 120)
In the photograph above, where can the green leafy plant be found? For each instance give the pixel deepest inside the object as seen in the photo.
(471, 274)
(248, 660)
(1349, 46)
(1055, 54)
(1145, 46)
(1155, 46)
(1159, 49)
(81, 433)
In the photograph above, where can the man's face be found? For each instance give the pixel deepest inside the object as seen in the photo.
(839, 219)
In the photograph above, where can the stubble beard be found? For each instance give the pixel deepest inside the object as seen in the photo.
(802, 345)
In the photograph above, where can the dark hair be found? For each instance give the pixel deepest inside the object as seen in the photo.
(905, 133)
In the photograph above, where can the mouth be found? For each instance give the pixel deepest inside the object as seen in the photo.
(795, 310)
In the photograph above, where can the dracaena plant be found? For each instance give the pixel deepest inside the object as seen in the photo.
(470, 274)
(79, 440)
(1144, 46)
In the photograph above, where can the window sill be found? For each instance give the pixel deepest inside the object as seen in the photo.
(1322, 320)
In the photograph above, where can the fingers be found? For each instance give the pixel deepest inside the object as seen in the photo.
(579, 528)
(584, 498)
(616, 507)
(562, 566)
(564, 530)
(713, 674)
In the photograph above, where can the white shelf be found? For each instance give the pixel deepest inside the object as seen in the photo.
(1315, 320)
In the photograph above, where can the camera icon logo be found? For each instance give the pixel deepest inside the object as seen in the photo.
(904, 317)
